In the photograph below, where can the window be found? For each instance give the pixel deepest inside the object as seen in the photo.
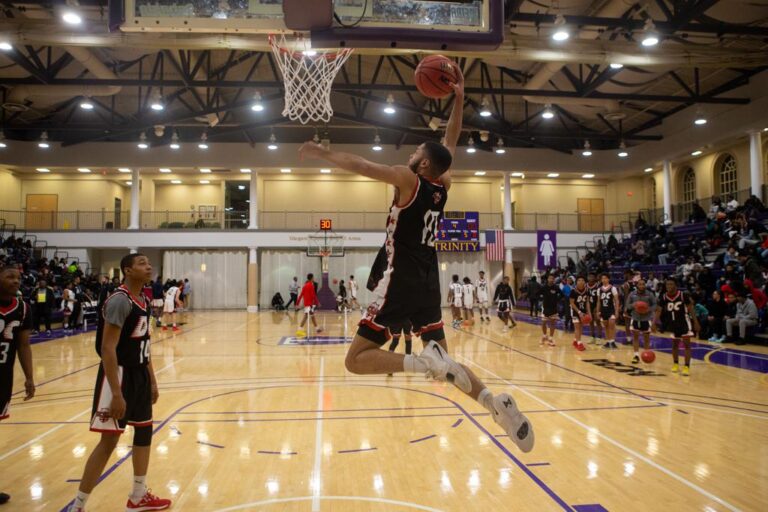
(689, 186)
(727, 175)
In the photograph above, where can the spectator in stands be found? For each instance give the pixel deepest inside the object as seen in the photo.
(43, 303)
(533, 296)
(715, 208)
(731, 256)
(638, 251)
(706, 280)
(757, 295)
(752, 269)
(716, 319)
(746, 316)
(697, 213)
(754, 206)
(731, 205)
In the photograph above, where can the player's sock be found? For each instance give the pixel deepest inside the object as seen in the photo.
(80, 500)
(412, 364)
(485, 398)
(139, 488)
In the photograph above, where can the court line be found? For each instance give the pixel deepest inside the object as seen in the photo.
(317, 468)
(274, 501)
(619, 445)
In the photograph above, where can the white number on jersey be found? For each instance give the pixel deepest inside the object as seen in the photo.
(7, 332)
(144, 352)
(142, 326)
(430, 228)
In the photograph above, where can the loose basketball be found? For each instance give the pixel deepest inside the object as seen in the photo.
(586, 319)
(335, 281)
(648, 356)
(434, 76)
(641, 307)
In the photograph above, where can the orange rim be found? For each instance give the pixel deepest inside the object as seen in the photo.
(300, 55)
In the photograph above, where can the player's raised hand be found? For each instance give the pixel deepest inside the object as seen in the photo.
(310, 150)
(29, 388)
(458, 87)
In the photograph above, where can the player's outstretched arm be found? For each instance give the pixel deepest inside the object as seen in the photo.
(453, 129)
(398, 175)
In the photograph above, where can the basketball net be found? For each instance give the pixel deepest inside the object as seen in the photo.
(308, 77)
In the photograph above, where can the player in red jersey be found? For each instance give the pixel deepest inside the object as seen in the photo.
(309, 296)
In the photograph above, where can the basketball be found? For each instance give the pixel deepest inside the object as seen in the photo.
(648, 356)
(335, 281)
(641, 307)
(434, 74)
(587, 319)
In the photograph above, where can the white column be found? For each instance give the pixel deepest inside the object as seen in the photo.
(667, 191)
(756, 163)
(253, 210)
(507, 202)
(135, 208)
(253, 281)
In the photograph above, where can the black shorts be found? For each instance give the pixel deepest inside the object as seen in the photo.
(607, 314)
(550, 312)
(504, 306)
(388, 313)
(640, 325)
(6, 390)
(137, 393)
(682, 329)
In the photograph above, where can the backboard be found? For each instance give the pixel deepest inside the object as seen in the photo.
(325, 244)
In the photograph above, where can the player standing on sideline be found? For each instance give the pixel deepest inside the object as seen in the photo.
(594, 292)
(580, 307)
(550, 295)
(126, 387)
(505, 302)
(309, 296)
(353, 304)
(172, 301)
(468, 294)
(481, 288)
(293, 292)
(409, 288)
(676, 308)
(607, 309)
(15, 327)
(454, 298)
(641, 323)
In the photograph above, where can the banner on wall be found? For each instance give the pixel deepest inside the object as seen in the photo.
(546, 249)
(458, 232)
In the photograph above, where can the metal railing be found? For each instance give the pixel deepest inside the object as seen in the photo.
(681, 212)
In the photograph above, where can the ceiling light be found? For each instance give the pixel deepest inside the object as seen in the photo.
(176, 182)
(553, 175)
(272, 143)
(587, 176)
(129, 183)
(471, 145)
(547, 113)
(390, 107)
(479, 173)
(204, 182)
(241, 187)
(517, 175)
(484, 110)
(561, 32)
(245, 171)
(648, 169)
(43, 144)
(83, 170)
(649, 37)
(175, 141)
(43, 169)
(157, 103)
(616, 65)
(257, 106)
(142, 141)
(500, 150)
(5, 46)
(123, 170)
(165, 170)
(587, 149)
(700, 119)
(203, 144)
(3, 144)
(71, 18)
(309, 53)
(285, 171)
(377, 143)
(696, 153)
(87, 104)
(623, 150)
(325, 171)
(205, 170)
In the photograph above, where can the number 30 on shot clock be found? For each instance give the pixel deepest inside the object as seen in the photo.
(326, 225)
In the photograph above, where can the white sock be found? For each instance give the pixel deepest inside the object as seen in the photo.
(412, 364)
(80, 499)
(637, 353)
(485, 398)
(139, 488)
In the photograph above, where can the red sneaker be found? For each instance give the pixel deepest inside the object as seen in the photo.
(579, 346)
(148, 502)
(165, 327)
(176, 329)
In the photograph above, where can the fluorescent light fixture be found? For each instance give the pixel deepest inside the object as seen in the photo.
(87, 104)
(204, 182)
(43, 169)
(83, 170)
(648, 169)
(124, 170)
(479, 173)
(176, 182)
(71, 18)
(285, 171)
(205, 170)
(517, 175)
(325, 171)
(587, 176)
(129, 183)
(700, 121)
(165, 170)
(616, 65)
(5, 46)
(696, 153)
(553, 175)
(245, 171)
(203, 145)
(241, 187)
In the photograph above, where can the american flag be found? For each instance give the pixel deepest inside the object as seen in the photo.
(494, 245)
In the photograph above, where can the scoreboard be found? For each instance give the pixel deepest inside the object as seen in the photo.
(459, 232)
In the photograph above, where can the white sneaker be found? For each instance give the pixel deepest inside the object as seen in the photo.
(441, 367)
(73, 508)
(515, 424)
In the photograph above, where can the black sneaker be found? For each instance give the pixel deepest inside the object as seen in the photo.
(635, 359)
(607, 344)
(4, 498)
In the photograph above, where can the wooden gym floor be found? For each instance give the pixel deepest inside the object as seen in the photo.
(250, 420)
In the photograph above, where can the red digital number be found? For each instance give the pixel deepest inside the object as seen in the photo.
(325, 224)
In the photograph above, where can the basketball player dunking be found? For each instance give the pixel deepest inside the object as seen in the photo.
(409, 287)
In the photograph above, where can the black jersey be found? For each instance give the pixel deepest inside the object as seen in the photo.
(503, 292)
(550, 298)
(606, 296)
(14, 318)
(133, 346)
(410, 262)
(674, 310)
(581, 300)
(594, 291)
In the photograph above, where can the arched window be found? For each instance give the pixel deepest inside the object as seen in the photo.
(689, 186)
(727, 174)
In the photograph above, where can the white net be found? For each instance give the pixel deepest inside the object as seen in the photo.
(308, 77)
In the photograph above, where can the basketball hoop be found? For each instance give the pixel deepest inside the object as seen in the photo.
(308, 77)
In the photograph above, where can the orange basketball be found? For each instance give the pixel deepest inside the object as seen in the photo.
(641, 307)
(587, 319)
(648, 356)
(434, 74)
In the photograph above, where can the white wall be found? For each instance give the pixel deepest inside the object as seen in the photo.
(222, 285)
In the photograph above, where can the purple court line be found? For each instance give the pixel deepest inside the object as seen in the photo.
(265, 452)
(422, 439)
(536, 464)
(358, 450)
(596, 507)
(210, 444)
(458, 422)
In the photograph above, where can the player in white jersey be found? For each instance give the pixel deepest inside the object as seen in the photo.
(468, 296)
(481, 288)
(353, 304)
(455, 292)
(172, 302)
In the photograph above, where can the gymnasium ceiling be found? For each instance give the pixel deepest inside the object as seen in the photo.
(709, 50)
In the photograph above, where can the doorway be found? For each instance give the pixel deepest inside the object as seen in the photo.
(41, 211)
(591, 215)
